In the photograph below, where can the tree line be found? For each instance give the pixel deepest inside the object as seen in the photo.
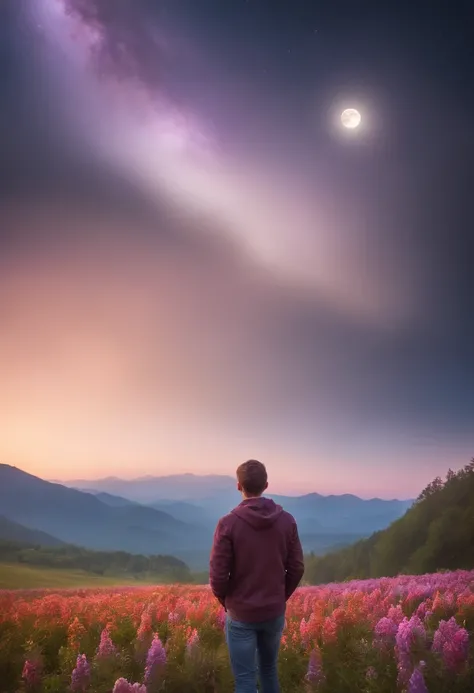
(114, 563)
(436, 533)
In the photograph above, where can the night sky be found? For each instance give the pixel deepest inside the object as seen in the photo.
(199, 264)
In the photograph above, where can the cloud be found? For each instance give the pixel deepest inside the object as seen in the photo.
(307, 238)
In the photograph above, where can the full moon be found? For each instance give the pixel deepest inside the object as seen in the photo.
(350, 118)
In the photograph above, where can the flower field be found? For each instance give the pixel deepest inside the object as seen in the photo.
(406, 634)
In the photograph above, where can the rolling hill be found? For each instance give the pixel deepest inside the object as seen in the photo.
(81, 518)
(437, 533)
(14, 532)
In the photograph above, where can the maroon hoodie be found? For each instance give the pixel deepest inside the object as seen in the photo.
(256, 560)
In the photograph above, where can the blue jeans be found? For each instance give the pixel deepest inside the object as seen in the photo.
(254, 647)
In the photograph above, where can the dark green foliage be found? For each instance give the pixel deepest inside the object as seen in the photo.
(98, 562)
(436, 533)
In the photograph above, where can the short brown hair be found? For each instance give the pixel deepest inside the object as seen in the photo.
(252, 476)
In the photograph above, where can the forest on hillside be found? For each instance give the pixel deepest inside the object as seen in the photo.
(104, 563)
(436, 533)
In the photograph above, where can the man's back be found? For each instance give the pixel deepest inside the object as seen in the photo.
(256, 565)
(256, 561)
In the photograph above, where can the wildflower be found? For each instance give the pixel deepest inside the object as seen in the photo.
(31, 673)
(315, 674)
(329, 631)
(304, 631)
(81, 675)
(155, 661)
(371, 674)
(106, 646)
(410, 632)
(144, 628)
(395, 614)
(193, 642)
(76, 631)
(123, 686)
(386, 630)
(452, 643)
(417, 683)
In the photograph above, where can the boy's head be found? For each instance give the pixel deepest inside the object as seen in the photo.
(252, 478)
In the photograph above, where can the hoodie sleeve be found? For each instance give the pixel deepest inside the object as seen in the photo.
(221, 562)
(294, 563)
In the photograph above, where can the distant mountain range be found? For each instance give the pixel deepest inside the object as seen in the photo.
(173, 515)
(80, 518)
(148, 489)
(204, 499)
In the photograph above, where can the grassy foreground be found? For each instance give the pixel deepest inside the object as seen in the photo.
(16, 576)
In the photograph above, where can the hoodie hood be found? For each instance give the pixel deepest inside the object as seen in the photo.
(259, 513)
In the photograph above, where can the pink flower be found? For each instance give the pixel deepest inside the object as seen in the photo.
(410, 632)
(329, 631)
(417, 683)
(193, 642)
(155, 661)
(452, 643)
(144, 628)
(106, 646)
(371, 674)
(81, 675)
(395, 614)
(31, 673)
(315, 674)
(123, 686)
(386, 630)
(304, 632)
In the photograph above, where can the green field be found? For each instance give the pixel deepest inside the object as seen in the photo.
(16, 576)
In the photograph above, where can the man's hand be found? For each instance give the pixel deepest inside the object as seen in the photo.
(220, 563)
(294, 563)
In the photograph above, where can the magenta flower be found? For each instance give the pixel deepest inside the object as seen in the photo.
(123, 686)
(106, 646)
(81, 675)
(155, 661)
(193, 642)
(417, 683)
(410, 632)
(145, 626)
(452, 643)
(304, 631)
(315, 674)
(31, 673)
(386, 630)
(371, 674)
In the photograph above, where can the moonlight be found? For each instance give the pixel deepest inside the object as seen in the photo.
(350, 118)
